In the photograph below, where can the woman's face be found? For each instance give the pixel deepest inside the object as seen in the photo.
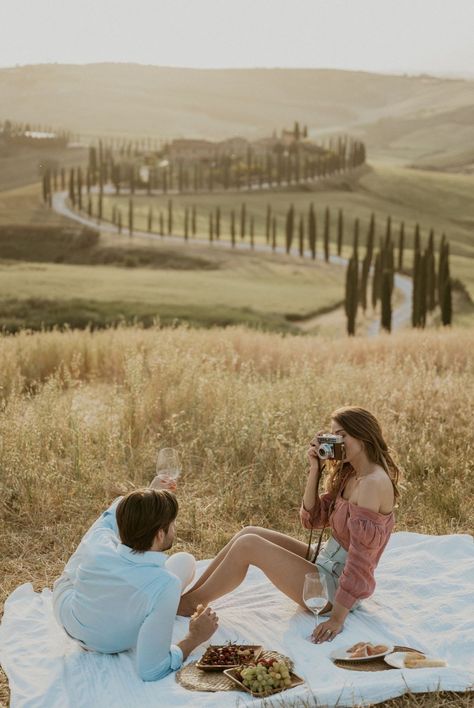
(352, 446)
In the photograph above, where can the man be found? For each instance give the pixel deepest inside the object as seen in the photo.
(117, 592)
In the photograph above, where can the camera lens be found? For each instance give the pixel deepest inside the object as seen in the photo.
(325, 451)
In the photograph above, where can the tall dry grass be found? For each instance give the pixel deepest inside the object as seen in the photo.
(82, 415)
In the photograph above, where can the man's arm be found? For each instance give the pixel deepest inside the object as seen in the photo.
(156, 656)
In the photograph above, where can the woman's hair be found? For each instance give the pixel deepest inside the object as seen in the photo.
(142, 513)
(363, 426)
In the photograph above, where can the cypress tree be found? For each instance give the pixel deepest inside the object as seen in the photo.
(232, 228)
(401, 246)
(89, 206)
(186, 224)
(243, 220)
(100, 205)
(386, 316)
(150, 220)
(211, 227)
(371, 239)
(355, 246)
(119, 222)
(364, 282)
(79, 188)
(327, 228)
(447, 304)
(388, 231)
(376, 281)
(290, 218)
(444, 283)
(415, 312)
(350, 302)
(301, 237)
(170, 216)
(130, 217)
(162, 224)
(72, 188)
(312, 231)
(274, 233)
(193, 221)
(252, 233)
(63, 180)
(340, 231)
(430, 273)
(218, 222)
(422, 289)
(268, 223)
(45, 188)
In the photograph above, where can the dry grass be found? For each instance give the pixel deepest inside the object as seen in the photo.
(82, 414)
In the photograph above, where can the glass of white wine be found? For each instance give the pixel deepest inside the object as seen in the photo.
(315, 593)
(168, 467)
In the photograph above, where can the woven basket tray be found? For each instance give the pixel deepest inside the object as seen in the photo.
(371, 664)
(195, 679)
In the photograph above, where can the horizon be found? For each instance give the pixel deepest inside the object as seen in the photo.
(464, 76)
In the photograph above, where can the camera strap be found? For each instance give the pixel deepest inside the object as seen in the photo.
(331, 509)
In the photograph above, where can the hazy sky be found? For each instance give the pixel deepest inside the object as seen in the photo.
(435, 36)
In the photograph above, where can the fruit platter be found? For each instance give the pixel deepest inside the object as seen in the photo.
(218, 657)
(265, 677)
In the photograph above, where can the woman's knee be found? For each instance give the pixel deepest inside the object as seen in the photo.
(183, 565)
(246, 544)
(253, 530)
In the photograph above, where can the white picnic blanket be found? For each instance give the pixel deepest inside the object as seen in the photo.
(424, 599)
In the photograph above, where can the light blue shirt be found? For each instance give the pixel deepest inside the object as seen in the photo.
(117, 599)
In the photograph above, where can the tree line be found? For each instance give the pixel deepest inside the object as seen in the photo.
(431, 286)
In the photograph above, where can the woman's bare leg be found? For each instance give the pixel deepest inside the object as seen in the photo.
(279, 539)
(286, 570)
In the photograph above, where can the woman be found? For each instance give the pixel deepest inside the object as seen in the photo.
(358, 508)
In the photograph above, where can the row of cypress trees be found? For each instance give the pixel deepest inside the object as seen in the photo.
(429, 287)
(277, 166)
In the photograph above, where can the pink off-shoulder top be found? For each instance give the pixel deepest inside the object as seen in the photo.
(362, 533)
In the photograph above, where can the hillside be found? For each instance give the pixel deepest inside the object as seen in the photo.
(130, 99)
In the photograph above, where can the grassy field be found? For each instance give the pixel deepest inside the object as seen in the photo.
(42, 280)
(82, 415)
(438, 201)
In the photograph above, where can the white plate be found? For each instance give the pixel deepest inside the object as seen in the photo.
(397, 659)
(343, 655)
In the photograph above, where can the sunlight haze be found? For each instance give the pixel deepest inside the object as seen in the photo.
(387, 36)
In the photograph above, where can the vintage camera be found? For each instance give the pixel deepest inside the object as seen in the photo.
(330, 447)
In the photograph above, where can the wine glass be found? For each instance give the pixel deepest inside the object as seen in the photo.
(167, 467)
(315, 593)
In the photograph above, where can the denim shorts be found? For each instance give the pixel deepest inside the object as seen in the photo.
(330, 564)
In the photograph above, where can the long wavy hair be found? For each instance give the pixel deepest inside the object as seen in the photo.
(363, 426)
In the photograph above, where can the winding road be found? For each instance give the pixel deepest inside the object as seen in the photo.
(401, 315)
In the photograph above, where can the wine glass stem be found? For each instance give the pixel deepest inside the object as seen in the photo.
(316, 615)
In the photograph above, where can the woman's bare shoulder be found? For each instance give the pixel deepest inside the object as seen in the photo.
(376, 492)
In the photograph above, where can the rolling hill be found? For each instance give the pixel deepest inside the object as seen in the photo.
(161, 102)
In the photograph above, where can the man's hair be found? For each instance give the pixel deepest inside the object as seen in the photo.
(142, 513)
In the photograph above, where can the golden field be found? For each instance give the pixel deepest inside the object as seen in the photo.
(83, 414)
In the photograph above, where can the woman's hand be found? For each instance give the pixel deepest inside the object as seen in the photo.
(163, 482)
(326, 631)
(312, 454)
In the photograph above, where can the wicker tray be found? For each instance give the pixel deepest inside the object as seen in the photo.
(371, 664)
(195, 679)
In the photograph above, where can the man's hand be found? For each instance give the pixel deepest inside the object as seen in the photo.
(326, 631)
(203, 625)
(162, 481)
